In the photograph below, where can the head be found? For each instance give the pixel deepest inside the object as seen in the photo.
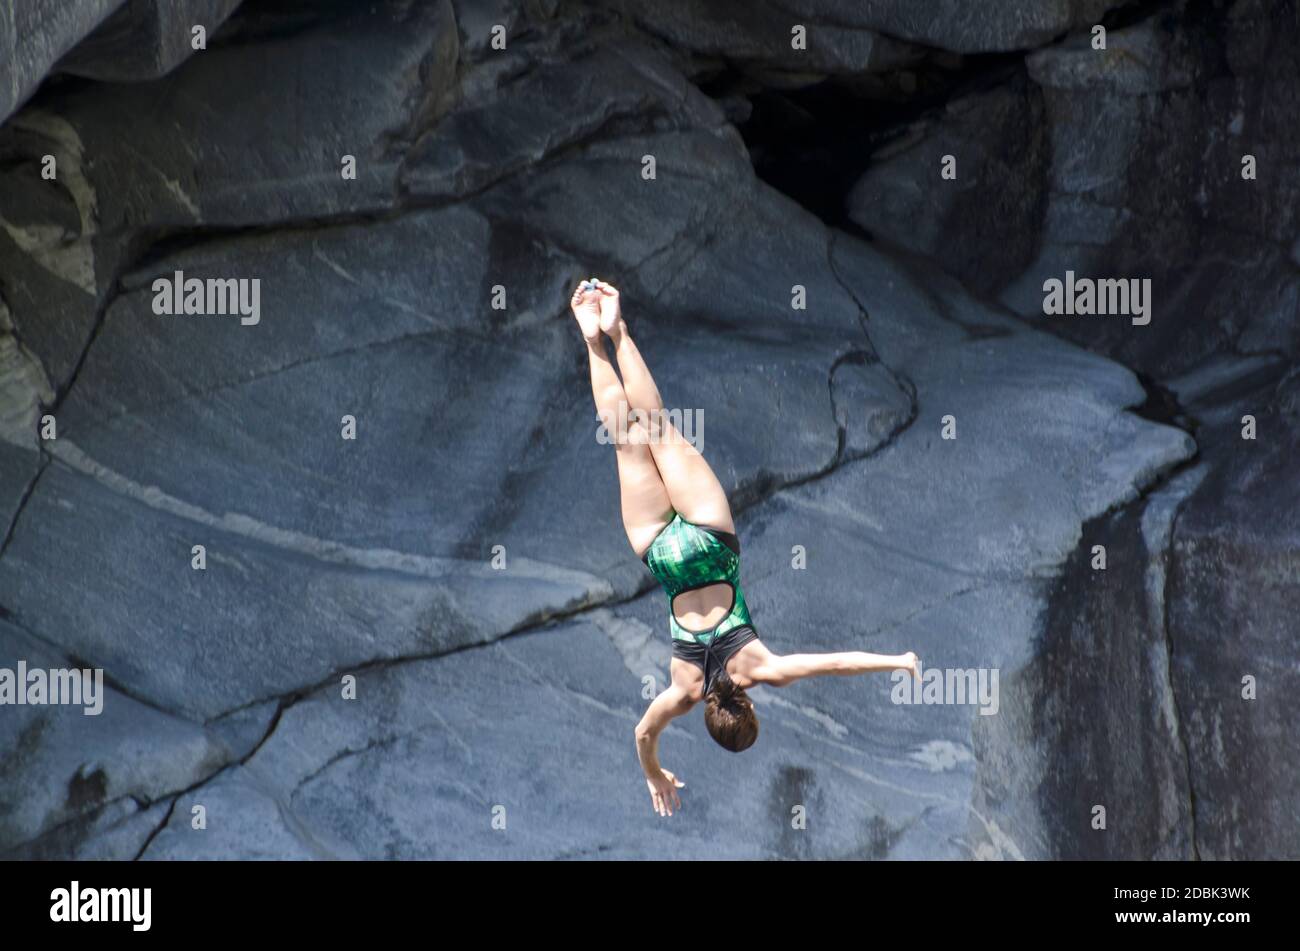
(729, 715)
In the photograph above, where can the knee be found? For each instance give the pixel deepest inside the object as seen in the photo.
(633, 434)
(611, 399)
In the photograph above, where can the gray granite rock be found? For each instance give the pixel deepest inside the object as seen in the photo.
(34, 36)
(941, 546)
(103, 39)
(1132, 170)
(117, 832)
(494, 704)
(1233, 597)
(146, 39)
(63, 767)
(848, 36)
(1147, 141)
(248, 155)
(348, 330)
(23, 391)
(983, 224)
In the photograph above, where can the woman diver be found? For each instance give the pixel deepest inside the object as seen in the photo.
(679, 523)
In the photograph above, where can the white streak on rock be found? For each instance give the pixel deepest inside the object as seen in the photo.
(70, 260)
(378, 559)
(23, 388)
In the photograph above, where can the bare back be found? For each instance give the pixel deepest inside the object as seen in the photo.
(741, 668)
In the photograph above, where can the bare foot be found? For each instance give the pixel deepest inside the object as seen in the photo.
(585, 305)
(913, 663)
(611, 315)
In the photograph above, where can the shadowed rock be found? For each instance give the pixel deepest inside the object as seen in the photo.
(123, 40)
(62, 766)
(1140, 176)
(145, 39)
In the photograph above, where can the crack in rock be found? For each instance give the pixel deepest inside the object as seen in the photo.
(1159, 521)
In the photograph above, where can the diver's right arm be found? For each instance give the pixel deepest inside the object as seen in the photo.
(663, 785)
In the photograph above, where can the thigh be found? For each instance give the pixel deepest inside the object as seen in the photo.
(647, 507)
(692, 487)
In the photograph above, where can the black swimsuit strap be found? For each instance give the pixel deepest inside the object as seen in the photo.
(719, 667)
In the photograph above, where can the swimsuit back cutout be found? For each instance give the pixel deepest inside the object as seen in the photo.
(685, 556)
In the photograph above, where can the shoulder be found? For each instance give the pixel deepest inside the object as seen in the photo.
(753, 664)
(687, 682)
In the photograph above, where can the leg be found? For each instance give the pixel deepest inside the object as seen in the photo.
(645, 502)
(693, 488)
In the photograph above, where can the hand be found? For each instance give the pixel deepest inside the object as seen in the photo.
(913, 663)
(663, 792)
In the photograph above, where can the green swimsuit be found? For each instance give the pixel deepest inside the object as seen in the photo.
(685, 556)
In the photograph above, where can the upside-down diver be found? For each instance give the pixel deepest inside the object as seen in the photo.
(678, 522)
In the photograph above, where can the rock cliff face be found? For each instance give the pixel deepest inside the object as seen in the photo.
(99, 39)
(488, 690)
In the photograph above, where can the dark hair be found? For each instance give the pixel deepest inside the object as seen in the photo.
(729, 715)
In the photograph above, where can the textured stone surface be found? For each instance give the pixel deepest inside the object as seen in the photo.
(848, 35)
(32, 38)
(1143, 179)
(1233, 599)
(250, 155)
(997, 139)
(146, 39)
(1140, 176)
(935, 583)
(62, 767)
(511, 694)
(105, 39)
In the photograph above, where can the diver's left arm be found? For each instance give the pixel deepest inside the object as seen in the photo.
(779, 671)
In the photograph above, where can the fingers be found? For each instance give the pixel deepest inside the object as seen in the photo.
(666, 801)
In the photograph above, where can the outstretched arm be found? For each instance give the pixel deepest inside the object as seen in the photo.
(780, 671)
(673, 702)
